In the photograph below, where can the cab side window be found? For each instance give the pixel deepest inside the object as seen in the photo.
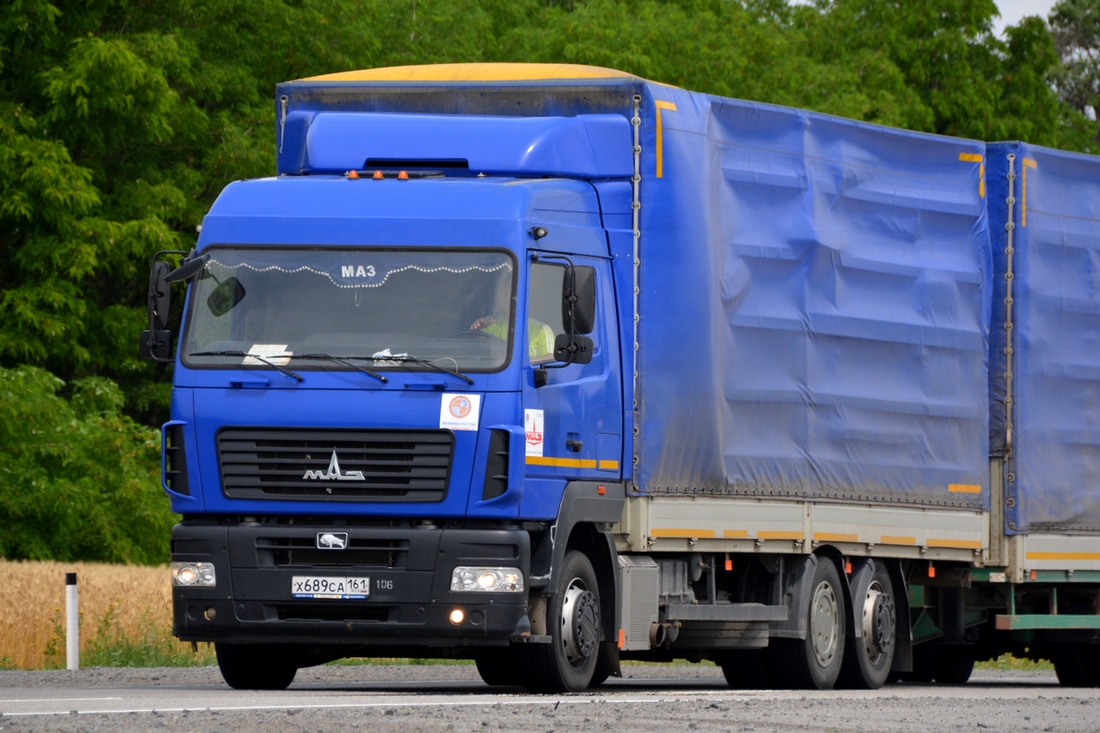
(544, 306)
(544, 310)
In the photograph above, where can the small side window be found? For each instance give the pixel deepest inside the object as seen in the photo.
(544, 310)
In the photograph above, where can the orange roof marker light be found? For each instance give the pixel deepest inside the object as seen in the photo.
(403, 176)
(352, 175)
(378, 176)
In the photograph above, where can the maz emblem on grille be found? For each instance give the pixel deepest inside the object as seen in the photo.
(333, 473)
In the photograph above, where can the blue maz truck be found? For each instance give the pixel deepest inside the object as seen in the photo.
(550, 367)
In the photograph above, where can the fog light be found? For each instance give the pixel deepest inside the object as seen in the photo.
(210, 614)
(487, 580)
(457, 616)
(193, 574)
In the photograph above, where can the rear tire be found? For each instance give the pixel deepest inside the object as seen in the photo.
(814, 662)
(255, 666)
(953, 666)
(568, 663)
(1076, 666)
(868, 659)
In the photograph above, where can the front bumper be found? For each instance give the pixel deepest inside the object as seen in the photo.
(409, 604)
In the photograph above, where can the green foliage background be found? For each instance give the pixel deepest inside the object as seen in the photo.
(121, 120)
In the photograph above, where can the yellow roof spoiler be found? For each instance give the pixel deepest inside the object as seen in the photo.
(474, 72)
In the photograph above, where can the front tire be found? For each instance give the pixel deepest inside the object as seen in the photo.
(255, 666)
(499, 667)
(568, 663)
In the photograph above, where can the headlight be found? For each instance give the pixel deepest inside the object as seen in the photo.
(487, 580)
(193, 574)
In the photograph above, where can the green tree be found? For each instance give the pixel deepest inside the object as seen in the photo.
(79, 477)
(1075, 27)
(121, 120)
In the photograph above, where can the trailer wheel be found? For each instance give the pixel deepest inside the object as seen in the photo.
(255, 666)
(942, 663)
(867, 661)
(953, 666)
(1076, 666)
(568, 663)
(814, 662)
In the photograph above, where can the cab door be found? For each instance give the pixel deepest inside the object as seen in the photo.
(572, 412)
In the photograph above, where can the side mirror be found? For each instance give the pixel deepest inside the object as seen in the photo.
(160, 295)
(156, 345)
(190, 267)
(578, 299)
(576, 350)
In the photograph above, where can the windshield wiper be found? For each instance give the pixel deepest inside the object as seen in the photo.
(345, 361)
(423, 362)
(244, 354)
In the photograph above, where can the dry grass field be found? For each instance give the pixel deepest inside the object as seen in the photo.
(120, 605)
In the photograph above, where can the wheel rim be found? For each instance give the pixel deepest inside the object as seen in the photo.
(580, 623)
(825, 624)
(878, 622)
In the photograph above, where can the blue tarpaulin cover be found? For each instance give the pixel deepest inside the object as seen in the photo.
(814, 307)
(822, 310)
(1053, 450)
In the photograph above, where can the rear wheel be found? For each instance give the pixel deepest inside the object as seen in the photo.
(568, 663)
(255, 666)
(1076, 666)
(814, 662)
(867, 660)
(953, 666)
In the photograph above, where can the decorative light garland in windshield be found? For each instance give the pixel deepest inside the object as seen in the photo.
(355, 286)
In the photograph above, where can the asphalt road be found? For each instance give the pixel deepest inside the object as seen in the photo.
(452, 698)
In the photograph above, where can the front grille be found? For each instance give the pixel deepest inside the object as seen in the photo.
(303, 552)
(337, 465)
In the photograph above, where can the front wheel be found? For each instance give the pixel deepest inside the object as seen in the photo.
(255, 666)
(568, 663)
(499, 666)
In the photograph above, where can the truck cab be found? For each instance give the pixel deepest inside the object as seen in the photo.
(398, 386)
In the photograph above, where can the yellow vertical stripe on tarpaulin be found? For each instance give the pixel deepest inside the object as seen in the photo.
(1028, 163)
(671, 107)
(976, 158)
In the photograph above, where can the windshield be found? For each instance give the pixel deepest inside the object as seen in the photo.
(381, 309)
